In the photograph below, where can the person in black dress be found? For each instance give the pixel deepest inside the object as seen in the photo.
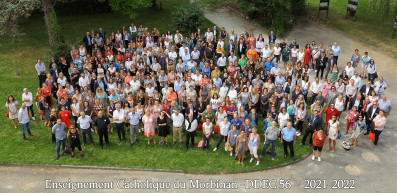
(74, 140)
(164, 129)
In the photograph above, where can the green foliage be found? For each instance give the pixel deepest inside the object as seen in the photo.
(278, 15)
(187, 18)
(12, 13)
(61, 47)
(128, 7)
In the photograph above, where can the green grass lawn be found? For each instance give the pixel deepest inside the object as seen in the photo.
(40, 150)
(369, 27)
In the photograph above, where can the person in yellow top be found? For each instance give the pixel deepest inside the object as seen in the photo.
(219, 52)
(216, 71)
(252, 52)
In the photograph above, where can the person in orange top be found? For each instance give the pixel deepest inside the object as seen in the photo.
(171, 95)
(47, 93)
(61, 93)
(65, 117)
(318, 143)
(252, 52)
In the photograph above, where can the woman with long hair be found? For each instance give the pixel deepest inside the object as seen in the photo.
(359, 128)
(332, 131)
(12, 110)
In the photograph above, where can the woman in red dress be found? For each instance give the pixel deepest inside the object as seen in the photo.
(308, 55)
(47, 93)
(65, 117)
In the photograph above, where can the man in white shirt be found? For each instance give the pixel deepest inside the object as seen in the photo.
(195, 55)
(189, 82)
(172, 55)
(27, 98)
(315, 88)
(184, 50)
(191, 127)
(380, 87)
(177, 121)
(275, 70)
(351, 91)
(266, 52)
(135, 85)
(315, 54)
(222, 62)
(23, 118)
(209, 35)
(155, 66)
(177, 36)
(83, 81)
(232, 58)
(84, 121)
(357, 80)
(118, 118)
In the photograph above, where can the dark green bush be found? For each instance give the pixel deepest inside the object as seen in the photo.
(187, 18)
(277, 15)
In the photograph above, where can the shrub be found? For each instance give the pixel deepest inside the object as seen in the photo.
(188, 18)
(278, 15)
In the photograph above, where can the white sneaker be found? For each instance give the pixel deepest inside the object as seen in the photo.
(231, 153)
(215, 149)
(33, 118)
(319, 159)
(252, 159)
(313, 157)
(257, 163)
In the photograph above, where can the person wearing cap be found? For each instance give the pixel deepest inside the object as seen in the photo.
(177, 121)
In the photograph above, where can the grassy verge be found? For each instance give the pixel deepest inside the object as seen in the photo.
(369, 27)
(40, 150)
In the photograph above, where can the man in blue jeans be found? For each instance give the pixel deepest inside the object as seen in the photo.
(60, 135)
(24, 121)
(271, 135)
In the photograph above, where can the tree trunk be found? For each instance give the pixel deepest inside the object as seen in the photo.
(154, 3)
(47, 6)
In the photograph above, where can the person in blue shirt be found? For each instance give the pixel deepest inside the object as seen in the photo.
(178, 84)
(279, 80)
(268, 65)
(134, 118)
(217, 82)
(181, 65)
(236, 121)
(114, 97)
(206, 70)
(288, 138)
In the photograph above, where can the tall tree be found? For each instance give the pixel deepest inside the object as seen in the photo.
(13, 12)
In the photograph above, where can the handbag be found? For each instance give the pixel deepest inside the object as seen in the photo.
(200, 144)
(41, 112)
(371, 136)
(8, 114)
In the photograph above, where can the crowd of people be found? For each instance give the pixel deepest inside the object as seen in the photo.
(216, 84)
